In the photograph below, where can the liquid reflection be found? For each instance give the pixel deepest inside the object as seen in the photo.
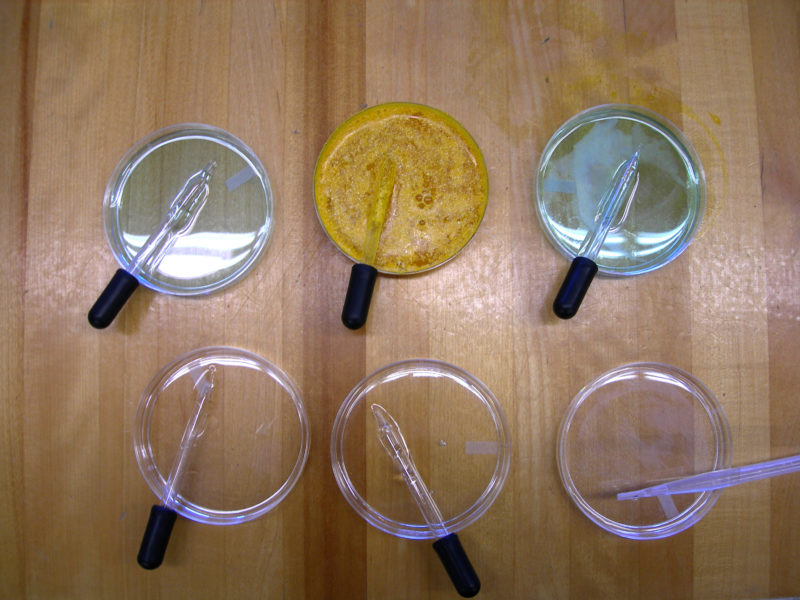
(202, 254)
(622, 244)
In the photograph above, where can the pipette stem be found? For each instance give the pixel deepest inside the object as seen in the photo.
(721, 478)
(181, 217)
(193, 430)
(391, 438)
(618, 194)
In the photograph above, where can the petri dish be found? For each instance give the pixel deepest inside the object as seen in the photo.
(456, 433)
(250, 439)
(439, 196)
(635, 426)
(232, 229)
(575, 169)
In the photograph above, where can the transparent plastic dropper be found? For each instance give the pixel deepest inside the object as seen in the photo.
(448, 547)
(179, 220)
(195, 427)
(391, 438)
(721, 478)
(162, 517)
(618, 194)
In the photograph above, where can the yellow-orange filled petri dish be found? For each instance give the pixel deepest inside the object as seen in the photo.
(440, 188)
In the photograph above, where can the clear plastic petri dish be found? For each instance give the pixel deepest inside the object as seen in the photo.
(232, 228)
(639, 425)
(221, 435)
(577, 165)
(456, 434)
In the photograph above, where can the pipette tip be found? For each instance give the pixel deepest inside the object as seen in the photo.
(381, 415)
(630, 167)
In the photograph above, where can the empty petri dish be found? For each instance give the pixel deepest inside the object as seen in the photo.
(232, 226)
(221, 435)
(580, 160)
(639, 425)
(455, 432)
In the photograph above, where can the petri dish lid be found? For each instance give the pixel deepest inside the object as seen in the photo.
(574, 172)
(456, 433)
(440, 191)
(635, 426)
(245, 445)
(232, 229)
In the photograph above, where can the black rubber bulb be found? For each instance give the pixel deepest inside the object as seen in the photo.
(456, 563)
(573, 289)
(156, 537)
(113, 298)
(359, 295)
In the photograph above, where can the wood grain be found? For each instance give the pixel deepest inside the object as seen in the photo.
(82, 82)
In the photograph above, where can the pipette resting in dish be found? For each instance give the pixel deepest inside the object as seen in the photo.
(718, 479)
(195, 427)
(179, 220)
(612, 210)
(394, 443)
(181, 216)
(363, 274)
(447, 546)
(162, 517)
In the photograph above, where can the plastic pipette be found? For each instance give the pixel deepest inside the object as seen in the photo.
(179, 220)
(394, 443)
(181, 217)
(364, 273)
(162, 517)
(193, 430)
(447, 546)
(583, 268)
(721, 478)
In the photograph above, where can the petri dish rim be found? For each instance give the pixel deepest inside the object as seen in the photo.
(722, 458)
(417, 368)
(679, 142)
(327, 148)
(156, 480)
(141, 150)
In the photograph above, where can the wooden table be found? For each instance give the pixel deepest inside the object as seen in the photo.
(81, 82)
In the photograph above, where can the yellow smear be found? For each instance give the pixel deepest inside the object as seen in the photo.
(438, 193)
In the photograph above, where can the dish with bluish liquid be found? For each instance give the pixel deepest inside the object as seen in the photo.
(232, 230)
(577, 165)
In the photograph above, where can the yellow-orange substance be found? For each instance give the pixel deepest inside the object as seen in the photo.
(440, 189)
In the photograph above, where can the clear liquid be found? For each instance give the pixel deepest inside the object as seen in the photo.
(666, 209)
